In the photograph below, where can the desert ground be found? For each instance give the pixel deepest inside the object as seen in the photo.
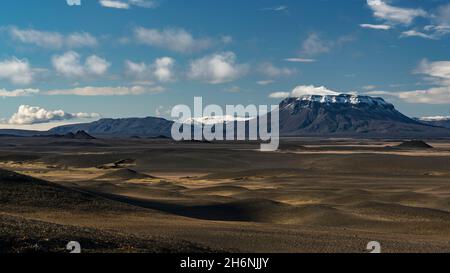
(159, 196)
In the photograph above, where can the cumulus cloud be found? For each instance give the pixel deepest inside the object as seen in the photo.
(161, 70)
(17, 92)
(395, 15)
(217, 68)
(270, 70)
(53, 40)
(27, 115)
(106, 91)
(377, 27)
(16, 71)
(175, 39)
(123, 4)
(305, 90)
(69, 64)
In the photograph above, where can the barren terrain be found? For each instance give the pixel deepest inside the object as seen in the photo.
(159, 196)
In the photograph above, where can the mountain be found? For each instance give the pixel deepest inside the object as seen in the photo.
(350, 116)
(128, 127)
(80, 135)
(19, 133)
(215, 120)
(435, 121)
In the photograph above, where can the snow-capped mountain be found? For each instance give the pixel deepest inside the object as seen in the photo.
(442, 121)
(215, 120)
(349, 115)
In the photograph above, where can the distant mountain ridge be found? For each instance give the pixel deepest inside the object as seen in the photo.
(308, 116)
(127, 127)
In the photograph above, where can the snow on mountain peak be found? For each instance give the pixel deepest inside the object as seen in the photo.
(343, 99)
(211, 120)
(436, 118)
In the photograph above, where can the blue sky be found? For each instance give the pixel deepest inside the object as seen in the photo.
(127, 58)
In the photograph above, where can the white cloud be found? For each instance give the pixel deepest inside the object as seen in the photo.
(378, 27)
(277, 8)
(81, 39)
(434, 95)
(115, 4)
(69, 65)
(40, 38)
(315, 45)
(106, 91)
(299, 60)
(414, 33)
(137, 70)
(161, 70)
(442, 16)
(16, 71)
(174, 39)
(438, 73)
(53, 40)
(305, 90)
(96, 65)
(217, 68)
(438, 30)
(395, 15)
(73, 2)
(18, 92)
(369, 87)
(265, 82)
(123, 4)
(270, 70)
(27, 115)
(144, 3)
(279, 95)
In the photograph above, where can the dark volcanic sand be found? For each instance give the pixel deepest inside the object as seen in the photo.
(313, 196)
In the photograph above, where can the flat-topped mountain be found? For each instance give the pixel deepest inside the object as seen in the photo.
(349, 115)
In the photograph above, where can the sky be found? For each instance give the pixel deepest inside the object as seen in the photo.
(67, 61)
